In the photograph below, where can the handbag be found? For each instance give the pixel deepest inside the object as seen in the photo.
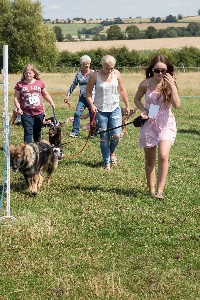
(139, 121)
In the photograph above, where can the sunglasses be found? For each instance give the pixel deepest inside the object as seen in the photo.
(163, 71)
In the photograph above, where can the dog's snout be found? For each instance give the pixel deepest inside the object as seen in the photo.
(15, 168)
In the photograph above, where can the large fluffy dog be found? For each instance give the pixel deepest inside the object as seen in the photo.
(32, 160)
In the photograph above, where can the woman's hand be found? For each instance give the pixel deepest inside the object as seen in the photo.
(169, 80)
(66, 99)
(127, 110)
(53, 104)
(93, 108)
(144, 114)
(19, 111)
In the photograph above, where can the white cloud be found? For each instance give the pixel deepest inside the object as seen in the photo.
(55, 7)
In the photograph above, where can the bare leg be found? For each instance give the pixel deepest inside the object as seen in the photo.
(150, 161)
(163, 165)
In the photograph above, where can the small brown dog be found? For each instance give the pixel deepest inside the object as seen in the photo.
(125, 119)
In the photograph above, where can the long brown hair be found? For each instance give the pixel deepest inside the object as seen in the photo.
(154, 61)
(34, 69)
(170, 69)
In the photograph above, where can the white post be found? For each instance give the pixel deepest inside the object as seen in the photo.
(6, 130)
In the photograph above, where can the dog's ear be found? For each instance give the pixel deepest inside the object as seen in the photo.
(61, 123)
(12, 148)
(22, 146)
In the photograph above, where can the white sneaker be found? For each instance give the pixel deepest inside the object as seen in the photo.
(73, 135)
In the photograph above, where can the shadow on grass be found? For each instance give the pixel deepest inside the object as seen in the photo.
(189, 131)
(19, 186)
(95, 188)
(85, 163)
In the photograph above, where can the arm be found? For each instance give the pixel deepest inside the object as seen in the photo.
(175, 100)
(90, 85)
(123, 92)
(72, 87)
(17, 102)
(138, 97)
(47, 97)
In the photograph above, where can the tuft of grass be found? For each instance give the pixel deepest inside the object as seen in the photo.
(98, 235)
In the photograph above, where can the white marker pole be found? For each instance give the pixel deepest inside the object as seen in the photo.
(6, 130)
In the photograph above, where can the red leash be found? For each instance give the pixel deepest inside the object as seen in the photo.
(91, 131)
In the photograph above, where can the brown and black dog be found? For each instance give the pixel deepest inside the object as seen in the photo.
(125, 119)
(55, 138)
(32, 160)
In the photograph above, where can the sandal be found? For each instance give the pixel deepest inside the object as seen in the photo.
(113, 159)
(107, 167)
(159, 195)
(152, 194)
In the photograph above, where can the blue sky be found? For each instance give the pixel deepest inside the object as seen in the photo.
(95, 9)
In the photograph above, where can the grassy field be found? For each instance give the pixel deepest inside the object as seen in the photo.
(191, 19)
(73, 28)
(97, 235)
(148, 44)
(144, 26)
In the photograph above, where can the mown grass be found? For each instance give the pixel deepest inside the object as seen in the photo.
(73, 28)
(97, 235)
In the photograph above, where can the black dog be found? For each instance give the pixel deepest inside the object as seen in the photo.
(55, 138)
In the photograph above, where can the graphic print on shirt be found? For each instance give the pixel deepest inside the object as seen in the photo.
(31, 99)
(111, 96)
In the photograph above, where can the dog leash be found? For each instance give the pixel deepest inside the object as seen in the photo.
(69, 105)
(107, 130)
(92, 126)
(55, 121)
(91, 131)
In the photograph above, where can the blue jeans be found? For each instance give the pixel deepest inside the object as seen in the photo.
(108, 143)
(32, 127)
(81, 105)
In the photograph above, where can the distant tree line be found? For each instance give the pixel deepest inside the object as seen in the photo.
(118, 20)
(132, 32)
(91, 31)
(109, 22)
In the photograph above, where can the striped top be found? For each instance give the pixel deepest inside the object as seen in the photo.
(82, 81)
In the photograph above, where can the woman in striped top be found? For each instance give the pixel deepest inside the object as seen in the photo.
(81, 79)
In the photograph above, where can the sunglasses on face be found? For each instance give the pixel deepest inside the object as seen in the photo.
(158, 70)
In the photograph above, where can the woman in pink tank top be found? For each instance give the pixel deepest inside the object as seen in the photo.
(161, 95)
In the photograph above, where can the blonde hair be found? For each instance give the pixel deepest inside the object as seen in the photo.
(34, 69)
(108, 59)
